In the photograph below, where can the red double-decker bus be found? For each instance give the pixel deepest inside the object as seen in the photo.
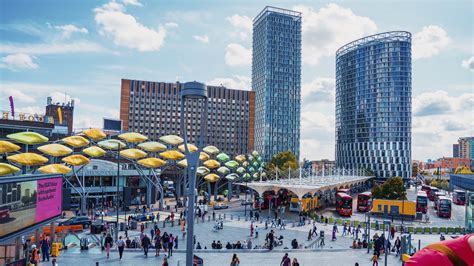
(343, 204)
(363, 201)
(344, 190)
(459, 197)
(444, 207)
(431, 193)
(421, 202)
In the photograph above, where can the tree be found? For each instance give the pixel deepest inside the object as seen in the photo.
(434, 183)
(392, 189)
(284, 160)
(463, 170)
(414, 169)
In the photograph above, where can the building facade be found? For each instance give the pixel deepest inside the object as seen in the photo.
(451, 164)
(276, 80)
(324, 165)
(455, 150)
(373, 104)
(154, 109)
(63, 115)
(466, 147)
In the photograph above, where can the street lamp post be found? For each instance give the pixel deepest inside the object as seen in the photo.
(192, 91)
(118, 188)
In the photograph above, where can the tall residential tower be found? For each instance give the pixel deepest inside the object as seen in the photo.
(276, 79)
(373, 104)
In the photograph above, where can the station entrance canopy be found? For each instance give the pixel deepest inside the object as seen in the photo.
(304, 185)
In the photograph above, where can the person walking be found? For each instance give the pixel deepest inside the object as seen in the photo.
(108, 244)
(295, 262)
(45, 245)
(146, 244)
(398, 245)
(256, 231)
(334, 231)
(120, 245)
(176, 242)
(285, 261)
(157, 245)
(34, 255)
(170, 246)
(235, 260)
(344, 229)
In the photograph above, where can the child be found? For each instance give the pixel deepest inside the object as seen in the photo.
(375, 260)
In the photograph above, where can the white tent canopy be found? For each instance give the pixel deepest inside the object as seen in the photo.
(304, 185)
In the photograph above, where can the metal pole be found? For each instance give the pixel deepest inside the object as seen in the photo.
(245, 205)
(118, 202)
(368, 232)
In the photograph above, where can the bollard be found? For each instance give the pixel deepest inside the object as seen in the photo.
(219, 216)
(208, 218)
(246, 218)
(96, 263)
(293, 225)
(224, 216)
(231, 217)
(238, 218)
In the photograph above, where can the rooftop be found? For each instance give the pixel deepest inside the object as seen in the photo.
(279, 10)
(381, 37)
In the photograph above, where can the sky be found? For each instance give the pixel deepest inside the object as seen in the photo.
(81, 49)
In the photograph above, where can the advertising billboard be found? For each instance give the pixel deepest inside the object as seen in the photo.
(24, 204)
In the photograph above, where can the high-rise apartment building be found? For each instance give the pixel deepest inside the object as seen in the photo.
(276, 80)
(466, 147)
(373, 104)
(153, 109)
(455, 150)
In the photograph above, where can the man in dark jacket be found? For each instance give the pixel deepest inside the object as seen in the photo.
(146, 244)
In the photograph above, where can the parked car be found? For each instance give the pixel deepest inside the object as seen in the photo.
(168, 194)
(4, 213)
(142, 217)
(78, 220)
(220, 206)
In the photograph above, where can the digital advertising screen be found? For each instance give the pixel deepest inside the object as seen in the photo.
(25, 204)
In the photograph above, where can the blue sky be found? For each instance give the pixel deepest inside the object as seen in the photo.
(84, 48)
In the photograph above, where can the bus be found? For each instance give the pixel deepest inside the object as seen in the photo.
(343, 204)
(436, 197)
(444, 207)
(363, 201)
(344, 190)
(430, 193)
(459, 197)
(421, 202)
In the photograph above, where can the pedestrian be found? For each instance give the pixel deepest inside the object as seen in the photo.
(170, 246)
(257, 215)
(176, 242)
(344, 229)
(172, 218)
(256, 231)
(310, 234)
(285, 261)
(334, 231)
(45, 245)
(120, 245)
(165, 261)
(295, 262)
(375, 259)
(235, 260)
(146, 244)
(392, 232)
(34, 255)
(54, 263)
(108, 244)
(398, 244)
(157, 245)
(251, 229)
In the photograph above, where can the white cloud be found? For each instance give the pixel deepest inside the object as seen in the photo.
(18, 95)
(201, 38)
(317, 134)
(237, 55)
(429, 42)
(439, 120)
(132, 2)
(236, 82)
(18, 61)
(242, 26)
(69, 29)
(170, 25)
(52, 48)
(61, 97)
(125, 30)
(318, 90)
(327, 29)
(468, 63)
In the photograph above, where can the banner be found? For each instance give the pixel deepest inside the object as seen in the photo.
(12, 106)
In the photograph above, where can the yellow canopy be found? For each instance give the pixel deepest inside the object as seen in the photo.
(211, 178)
(202, 170)
(133, 153)
(171, 139)
(76, 141)
(28, 137)
(94, 133)
(55, 169)
(240, 158)
(172, 155)
(211, 164)
(204, 156)
(28, 159)
(94, 151)
(55, 149)
(6, 169)
(191, 147)
(152, 146)
(211, 150)
(151, 162)
(6, 146)
(76, 160)
(112, 144)
(133, 137)
(183, 163)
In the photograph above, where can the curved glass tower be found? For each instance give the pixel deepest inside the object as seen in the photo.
(373, 104)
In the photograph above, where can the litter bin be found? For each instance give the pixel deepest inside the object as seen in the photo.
(55, 249)
(122, 226)
(133, 225)
(97, 228)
